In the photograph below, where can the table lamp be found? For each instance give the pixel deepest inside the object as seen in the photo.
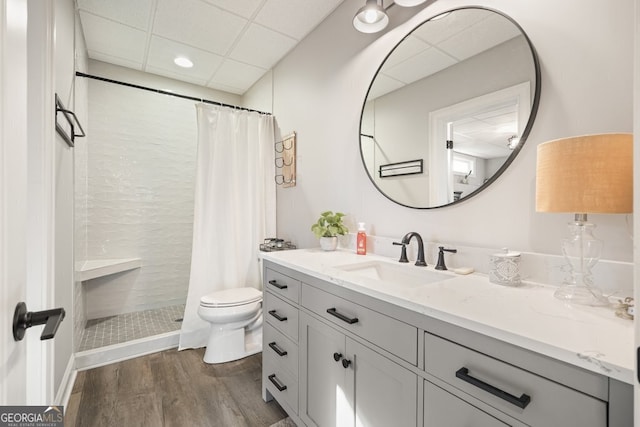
(582, 175)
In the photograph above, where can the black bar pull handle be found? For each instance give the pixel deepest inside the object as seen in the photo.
(23, 319)
(277, 349)
(276, 382)
(277, 316)
(349, 320)
(275, 283)
(520, 402)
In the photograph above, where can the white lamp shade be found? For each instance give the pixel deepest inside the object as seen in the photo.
(586, 174)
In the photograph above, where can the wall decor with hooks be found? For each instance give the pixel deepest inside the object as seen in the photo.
(67, 128)
(286, 161)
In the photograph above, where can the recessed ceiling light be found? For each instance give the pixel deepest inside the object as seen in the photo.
(183, 62)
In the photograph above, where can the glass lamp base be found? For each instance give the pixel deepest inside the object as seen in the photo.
(576, 294)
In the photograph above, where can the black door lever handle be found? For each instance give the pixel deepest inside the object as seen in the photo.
(23, 319)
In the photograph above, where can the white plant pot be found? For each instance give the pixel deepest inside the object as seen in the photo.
(328, 243)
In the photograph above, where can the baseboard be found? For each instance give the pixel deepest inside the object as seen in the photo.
(66, 385)
(128, 350)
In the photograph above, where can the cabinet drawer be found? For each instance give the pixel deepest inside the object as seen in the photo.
(279, 350)
(525, 396)
(394, 336)
(282, 285)
(442, 408)
(281, 315)
(281, 384)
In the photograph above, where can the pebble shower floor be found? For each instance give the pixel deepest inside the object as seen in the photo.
(131, 326)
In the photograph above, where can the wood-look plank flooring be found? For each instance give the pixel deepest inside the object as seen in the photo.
(172, 388)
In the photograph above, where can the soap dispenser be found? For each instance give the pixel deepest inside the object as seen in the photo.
(361, 240)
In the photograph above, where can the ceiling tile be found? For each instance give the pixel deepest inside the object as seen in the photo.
(113, 39)
(136, 65)
(435, 32)
(162, 52)
(409, 47)
(261, 47)
(197, 24)
(134, 13)
(137, 34)
(237, 74)
(420, 66)
(175, 75)
(244, 8)
(480, 37)
(295, 18)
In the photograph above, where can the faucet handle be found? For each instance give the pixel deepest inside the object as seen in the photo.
(440, 265)
(403, 253)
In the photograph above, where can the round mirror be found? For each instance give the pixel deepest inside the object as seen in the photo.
(449, 108)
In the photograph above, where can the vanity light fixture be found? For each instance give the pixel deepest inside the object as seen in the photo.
(408, 3)
(371, 18)
(584, 174)
(183, 62)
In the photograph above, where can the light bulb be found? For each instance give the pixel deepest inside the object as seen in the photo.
(370, 16)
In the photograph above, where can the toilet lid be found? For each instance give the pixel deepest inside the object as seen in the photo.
(231, 297)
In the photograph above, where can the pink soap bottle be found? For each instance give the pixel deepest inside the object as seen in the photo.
(361, 240)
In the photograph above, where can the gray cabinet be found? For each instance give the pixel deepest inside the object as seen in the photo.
(280, 340)
(520, 394)
(442, 408)
(326, 395)
(346, 383)
(338, 357)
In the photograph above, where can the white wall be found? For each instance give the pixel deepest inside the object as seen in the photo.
(140, 188)
(585, 50)
(64, 190)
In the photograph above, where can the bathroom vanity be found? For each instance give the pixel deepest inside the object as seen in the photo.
(363, 340)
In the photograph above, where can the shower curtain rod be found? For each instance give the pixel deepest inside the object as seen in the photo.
(164, 92)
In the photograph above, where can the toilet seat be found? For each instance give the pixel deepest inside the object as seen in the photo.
(231, 298)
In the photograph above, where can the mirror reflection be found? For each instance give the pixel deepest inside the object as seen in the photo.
(449, 108)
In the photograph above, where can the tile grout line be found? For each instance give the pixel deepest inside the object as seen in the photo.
(130, 326)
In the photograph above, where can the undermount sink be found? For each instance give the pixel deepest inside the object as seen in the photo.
(395, 274)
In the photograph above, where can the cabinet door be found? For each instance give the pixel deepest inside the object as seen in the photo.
(325, 389)
(385, 392)
(442, 408)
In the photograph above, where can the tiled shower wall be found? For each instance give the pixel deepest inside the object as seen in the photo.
(139, 197)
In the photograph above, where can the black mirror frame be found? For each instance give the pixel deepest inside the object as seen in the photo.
(523, 137)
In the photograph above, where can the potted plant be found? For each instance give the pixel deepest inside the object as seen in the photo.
(328, 227)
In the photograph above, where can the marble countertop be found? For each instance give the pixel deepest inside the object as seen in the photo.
(528, 316)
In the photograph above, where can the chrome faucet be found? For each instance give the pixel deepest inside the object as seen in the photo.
(405, 241)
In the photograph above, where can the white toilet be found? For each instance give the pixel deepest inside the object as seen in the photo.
(236, 324)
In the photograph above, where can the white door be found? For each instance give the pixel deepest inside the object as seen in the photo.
(26, 195)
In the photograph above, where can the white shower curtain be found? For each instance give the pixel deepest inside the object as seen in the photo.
(234, 207)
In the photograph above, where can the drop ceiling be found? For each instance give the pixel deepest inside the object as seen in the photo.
(232, 43)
